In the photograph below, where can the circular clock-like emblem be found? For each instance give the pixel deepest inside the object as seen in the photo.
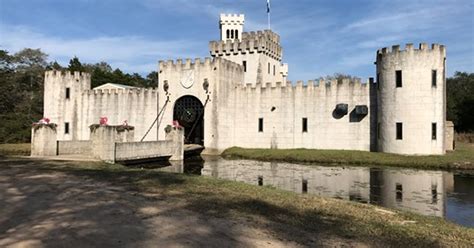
(187, 78)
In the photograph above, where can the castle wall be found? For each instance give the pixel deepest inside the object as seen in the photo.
(137, 106)
(283, 108)
(417, 104)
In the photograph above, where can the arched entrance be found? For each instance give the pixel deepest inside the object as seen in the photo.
(189, 112)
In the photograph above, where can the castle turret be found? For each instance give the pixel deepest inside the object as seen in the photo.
(231, 26)
(62, 91)
(411, 99)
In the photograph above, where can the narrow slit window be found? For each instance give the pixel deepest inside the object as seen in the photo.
(236, 34)
(260, 125)
(68, 93)
(433, 131)
(399, 131)
(398, 78)
(268, 68)
(305, 125)
(228, 34)
(244, 63)
(66, 127)
(274, 70)
(433, 78)
(304, 186)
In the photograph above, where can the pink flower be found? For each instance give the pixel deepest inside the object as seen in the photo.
(103, 121)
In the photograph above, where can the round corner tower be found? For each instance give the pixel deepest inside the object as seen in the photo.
(411, 89)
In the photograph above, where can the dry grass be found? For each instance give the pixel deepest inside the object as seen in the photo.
(15, 149)
(462, 158)
(274, 209)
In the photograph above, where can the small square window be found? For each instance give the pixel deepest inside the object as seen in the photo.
(260, 125)
(68, 93)
(399, 131)
(398, 78)
(305, 125)
(66, 127)
(433, 131)
(433, 78)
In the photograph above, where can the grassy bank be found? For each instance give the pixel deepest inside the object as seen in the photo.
(462, 158)
(286, 214)
(15, 149)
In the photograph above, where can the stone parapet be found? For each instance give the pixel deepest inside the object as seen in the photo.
(43, 140)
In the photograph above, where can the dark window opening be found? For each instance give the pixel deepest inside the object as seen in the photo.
(433, 78)
(68, 93)
(399, 192)
(260, 180)
(305, 125)
(228, 34)
(244, 63)
(260, 125)
(232, 34)
(268, 68)
(274, 70)
(398, 78)
(433, 131)
(434, 194)
(236, 34)
(399, 131)
(304, 188)
(66, 127)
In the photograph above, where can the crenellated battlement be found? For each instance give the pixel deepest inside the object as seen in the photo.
(67, 75)
(232, 19)
(409, 48)
(266, 42)
(135, 91)
(210, 63)
(312, 85)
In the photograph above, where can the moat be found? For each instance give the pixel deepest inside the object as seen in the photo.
(429, 192)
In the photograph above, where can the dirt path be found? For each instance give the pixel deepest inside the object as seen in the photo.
(55, 209)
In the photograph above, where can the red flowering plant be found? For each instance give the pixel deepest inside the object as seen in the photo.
(44, 122)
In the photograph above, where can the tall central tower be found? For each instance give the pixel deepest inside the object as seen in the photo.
(260, 53)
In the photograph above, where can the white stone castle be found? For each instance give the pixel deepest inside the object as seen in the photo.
(241, 97)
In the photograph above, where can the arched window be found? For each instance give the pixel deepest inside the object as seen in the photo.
(232, 34)
(228, 34)
(236, 34)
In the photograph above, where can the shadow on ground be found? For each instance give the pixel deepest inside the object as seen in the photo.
(48, 203)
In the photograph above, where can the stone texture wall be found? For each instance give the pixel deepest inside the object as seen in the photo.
(67, 147)
(417, 104)
(43, 140)
(103, 141)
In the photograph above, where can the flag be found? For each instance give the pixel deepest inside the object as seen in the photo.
(268, 6)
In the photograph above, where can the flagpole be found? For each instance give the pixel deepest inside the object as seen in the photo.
(268, 15)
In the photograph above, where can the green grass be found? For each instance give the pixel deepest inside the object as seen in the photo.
(15, 149)
(284, 213)
(462, 158)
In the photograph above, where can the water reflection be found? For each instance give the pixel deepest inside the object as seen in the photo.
(434, 193)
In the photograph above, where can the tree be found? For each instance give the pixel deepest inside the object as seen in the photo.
(460, 101)
(75, 65)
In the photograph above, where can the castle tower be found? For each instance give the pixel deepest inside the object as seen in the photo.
(62, 100)
(231, 26)
(260, 53)
(411, 99)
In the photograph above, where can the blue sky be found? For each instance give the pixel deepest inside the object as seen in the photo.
(319, 37)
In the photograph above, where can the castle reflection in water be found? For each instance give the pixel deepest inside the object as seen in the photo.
(419, 191)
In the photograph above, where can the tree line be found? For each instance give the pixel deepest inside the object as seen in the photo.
(22, 85)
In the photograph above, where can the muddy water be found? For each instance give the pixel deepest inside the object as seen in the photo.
(429, 192)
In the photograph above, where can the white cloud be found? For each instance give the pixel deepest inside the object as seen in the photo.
(132, 53)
